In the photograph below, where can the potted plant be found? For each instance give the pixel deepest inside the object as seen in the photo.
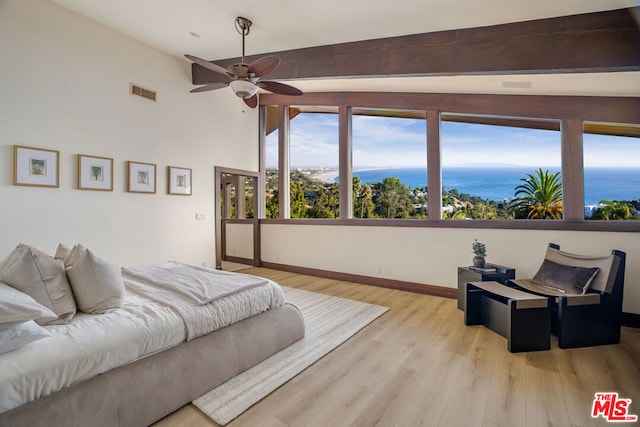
(480, 252)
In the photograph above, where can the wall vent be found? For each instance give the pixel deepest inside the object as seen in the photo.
(136, 90)
(516, 85)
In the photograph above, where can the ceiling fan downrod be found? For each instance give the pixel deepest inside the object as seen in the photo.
(243, 26)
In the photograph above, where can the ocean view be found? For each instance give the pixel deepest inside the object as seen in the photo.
(499, 183)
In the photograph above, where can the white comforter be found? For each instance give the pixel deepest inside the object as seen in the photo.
(256, 295)
(93, 344)
(200, 285)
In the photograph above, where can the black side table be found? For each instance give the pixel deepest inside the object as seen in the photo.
(470, 274)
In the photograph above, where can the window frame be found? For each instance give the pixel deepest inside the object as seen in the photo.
(570, 111)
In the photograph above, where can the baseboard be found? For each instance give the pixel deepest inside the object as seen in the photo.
(418, 288)
(239, 260)
(631, 320)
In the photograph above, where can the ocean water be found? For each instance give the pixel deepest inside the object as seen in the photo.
(499, 183)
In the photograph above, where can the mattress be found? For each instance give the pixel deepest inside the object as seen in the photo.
(93, 344)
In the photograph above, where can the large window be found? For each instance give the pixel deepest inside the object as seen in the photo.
(389, 164)
(313, 164)
(515, 161)
(500, 171)
(611, 177)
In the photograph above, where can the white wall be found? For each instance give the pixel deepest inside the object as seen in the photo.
(432, 255)
(64, 83)
(239, 239)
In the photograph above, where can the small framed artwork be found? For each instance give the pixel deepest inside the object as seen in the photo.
(179, 181)
(37, 167)
(95, 173)
(142, 177)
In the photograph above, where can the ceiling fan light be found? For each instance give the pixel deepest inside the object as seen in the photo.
(243, 88)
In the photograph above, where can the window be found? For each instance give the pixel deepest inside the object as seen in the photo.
(500, 171)
(490, 166)
(313, 160)
(249, 184)
(232, 186)
(611, 177)
(389, 164)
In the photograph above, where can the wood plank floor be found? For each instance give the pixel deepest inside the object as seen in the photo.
(418, 365)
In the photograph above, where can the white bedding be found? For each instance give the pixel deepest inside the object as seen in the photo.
(84, 348)
(92, 344)
(202, 319)
(202, 285)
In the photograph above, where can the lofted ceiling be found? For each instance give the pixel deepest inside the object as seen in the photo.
(205, 28)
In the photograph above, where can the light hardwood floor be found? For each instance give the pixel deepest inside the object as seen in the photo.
(418, 365)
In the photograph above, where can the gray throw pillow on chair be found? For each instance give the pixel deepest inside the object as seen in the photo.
(566, 278)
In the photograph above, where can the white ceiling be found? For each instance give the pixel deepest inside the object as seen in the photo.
(288, 24)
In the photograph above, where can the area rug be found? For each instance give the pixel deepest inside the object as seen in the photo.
(329, 321)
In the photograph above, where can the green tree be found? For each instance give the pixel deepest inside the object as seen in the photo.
(455, 214)
(392, 198)
(363, 206)
(540, 197)
(271, 207)
(482, 210)
(324, 201)
(298, 202)
(612, 210)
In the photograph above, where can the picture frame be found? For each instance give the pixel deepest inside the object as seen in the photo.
(141, 177)
(95, 173)
(36, 167)
(179, 181)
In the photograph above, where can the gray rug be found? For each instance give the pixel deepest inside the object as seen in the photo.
(329, 322)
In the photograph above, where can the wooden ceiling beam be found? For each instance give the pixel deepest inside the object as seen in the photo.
(594, 42)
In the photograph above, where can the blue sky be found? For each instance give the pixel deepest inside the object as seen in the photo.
(381, 142)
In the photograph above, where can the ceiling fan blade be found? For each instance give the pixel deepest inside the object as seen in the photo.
(264, 66)
(206, 64)
(252, 102)
(210, 86)
(281, 88)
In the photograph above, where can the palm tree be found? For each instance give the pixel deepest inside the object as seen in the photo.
(540, 197)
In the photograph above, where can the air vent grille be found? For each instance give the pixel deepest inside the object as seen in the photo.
(517, 85)
(149, 94)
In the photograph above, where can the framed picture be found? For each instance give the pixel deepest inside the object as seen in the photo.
(179, 181)
(142, 177)
(95, 173)
(36, 167)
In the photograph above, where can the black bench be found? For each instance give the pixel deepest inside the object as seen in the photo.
(523, 318)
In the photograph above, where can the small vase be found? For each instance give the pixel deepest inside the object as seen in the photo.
(478, 261)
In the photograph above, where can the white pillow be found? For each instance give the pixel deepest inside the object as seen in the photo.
(96, 283)
(18, 307)
(62, 253)
(21, 334)
(43, 279)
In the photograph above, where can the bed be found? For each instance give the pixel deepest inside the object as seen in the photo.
(159, 349)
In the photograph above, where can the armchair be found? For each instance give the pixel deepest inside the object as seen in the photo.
(585, 295)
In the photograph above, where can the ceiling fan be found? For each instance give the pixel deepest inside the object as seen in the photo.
(246, 79)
